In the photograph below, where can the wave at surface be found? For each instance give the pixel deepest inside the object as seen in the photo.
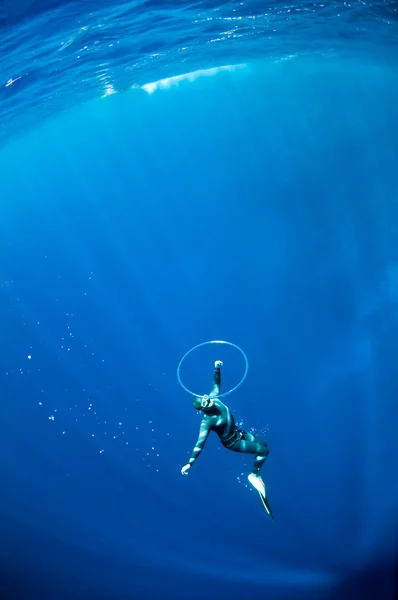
(54, 55)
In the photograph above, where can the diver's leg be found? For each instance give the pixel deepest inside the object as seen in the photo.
(215, 390)
(260, 459)
(261, 456)
(251, 444)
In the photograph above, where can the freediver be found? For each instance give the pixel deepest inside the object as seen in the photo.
(217, 417)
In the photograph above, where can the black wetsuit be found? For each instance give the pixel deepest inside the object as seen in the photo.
(219, 418)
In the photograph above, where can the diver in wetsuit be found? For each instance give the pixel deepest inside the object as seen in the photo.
(218, 418)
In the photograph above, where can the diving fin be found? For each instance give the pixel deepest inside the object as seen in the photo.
(258, 483)
(266, 506)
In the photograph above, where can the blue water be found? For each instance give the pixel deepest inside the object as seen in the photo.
(242, 187)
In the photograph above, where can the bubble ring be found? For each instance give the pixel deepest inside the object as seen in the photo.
(205, 344)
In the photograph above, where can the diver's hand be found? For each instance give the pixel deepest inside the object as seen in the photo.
(218, 364)
(185, 469)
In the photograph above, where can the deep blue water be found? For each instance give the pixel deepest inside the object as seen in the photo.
(253, 200)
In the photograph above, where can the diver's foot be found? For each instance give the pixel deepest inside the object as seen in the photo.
(258, 483)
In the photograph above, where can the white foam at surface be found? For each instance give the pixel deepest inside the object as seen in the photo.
(192, 76)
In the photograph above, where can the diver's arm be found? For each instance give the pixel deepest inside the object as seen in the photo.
(215, 390)
(203, 435)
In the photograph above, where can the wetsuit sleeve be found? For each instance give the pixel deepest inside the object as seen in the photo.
(203, 435)
(215, 390)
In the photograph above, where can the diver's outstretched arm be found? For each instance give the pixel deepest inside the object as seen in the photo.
(203, 435)
(215, 390)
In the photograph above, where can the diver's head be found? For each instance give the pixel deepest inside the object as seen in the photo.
(203, 403)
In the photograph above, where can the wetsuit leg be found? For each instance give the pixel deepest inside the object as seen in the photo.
(250, 444)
